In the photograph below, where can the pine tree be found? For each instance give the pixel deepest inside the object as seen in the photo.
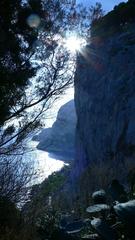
(16, 39)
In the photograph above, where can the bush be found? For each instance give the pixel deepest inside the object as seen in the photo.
(12, 225)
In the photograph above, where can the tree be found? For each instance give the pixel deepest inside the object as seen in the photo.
(15, 46)
(15, 51)
(16, 174)
(35, 69)
(116, 20)
(23, 98)
(96, 12)
(16, 43)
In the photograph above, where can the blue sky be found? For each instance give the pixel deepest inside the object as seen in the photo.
(107, 4)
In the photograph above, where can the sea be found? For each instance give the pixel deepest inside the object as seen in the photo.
(44, 163)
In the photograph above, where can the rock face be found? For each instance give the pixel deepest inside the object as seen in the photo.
(105, 100)
(60, 139)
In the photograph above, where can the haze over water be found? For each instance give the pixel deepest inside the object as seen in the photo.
(44, 164)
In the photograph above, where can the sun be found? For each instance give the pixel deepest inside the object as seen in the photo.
(74, 44)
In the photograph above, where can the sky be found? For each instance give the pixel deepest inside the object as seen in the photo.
(108, 5)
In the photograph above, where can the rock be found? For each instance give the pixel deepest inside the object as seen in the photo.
(60, 139)
(74, 227)
(126, 214)
(126, 211)
(99, 197)
(105, 101)
(91, 237)
(103, 229)
(98, 208)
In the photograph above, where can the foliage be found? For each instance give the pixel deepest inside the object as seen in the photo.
(16, 45)
(51, 184)
(34, 50)
(106, 222)
(117, 191)
(9, 214)
(116, 20)
(96, 177)
(113, 220)
(43, 196)
(35, 69)
(15, 175)
(113, 224)
(96, 13)
(12, 225)
(16, 41)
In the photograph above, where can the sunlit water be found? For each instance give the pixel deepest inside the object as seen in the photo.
(45, 165)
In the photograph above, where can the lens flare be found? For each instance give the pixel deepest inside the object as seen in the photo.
(33, 21)
(74, 43)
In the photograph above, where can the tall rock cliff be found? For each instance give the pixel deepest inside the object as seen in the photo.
(105, 99)
(60, 138)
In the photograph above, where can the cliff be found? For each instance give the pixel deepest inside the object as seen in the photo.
(105, 99)
(60, 138)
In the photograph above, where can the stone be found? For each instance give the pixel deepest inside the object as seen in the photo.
(60, 138)
(105, 101)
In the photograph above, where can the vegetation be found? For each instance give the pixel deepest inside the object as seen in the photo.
(15, 69)
(15, 177)
(116, 20)
(44, 195)
(106, 218)
(110, 216)
(35, 69)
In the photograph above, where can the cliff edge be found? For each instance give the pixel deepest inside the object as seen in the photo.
(105, 99)
(60, 138)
